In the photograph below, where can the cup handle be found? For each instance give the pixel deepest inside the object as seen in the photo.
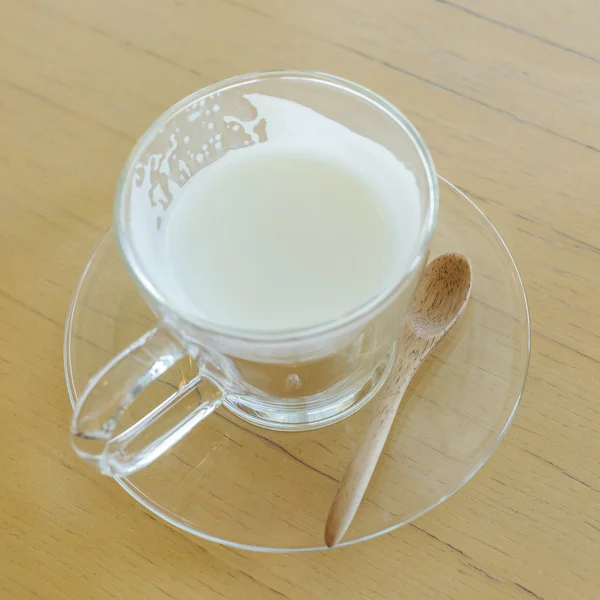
(109, 394)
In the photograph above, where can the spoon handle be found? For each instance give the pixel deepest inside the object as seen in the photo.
(364, 461)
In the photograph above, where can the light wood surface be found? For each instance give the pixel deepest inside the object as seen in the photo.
(506, 96)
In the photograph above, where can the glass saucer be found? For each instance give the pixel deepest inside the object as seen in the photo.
(234, 483)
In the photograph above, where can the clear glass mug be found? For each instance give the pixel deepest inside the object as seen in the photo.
(292, 380)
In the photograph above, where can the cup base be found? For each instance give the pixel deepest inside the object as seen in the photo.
(288, 415)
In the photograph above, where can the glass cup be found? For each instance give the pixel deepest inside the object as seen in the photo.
(290, 380)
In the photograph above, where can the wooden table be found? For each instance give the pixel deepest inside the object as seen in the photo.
(506, 96)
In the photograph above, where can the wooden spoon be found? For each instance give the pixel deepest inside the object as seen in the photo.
(440, 300)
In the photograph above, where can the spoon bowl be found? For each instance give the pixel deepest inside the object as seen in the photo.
(441, 296)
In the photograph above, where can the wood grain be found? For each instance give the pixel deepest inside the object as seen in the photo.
(506, 96)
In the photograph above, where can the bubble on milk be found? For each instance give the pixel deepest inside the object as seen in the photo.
(293, 382)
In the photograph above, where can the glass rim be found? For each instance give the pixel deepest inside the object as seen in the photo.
(144, 280)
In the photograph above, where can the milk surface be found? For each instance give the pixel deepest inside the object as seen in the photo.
(293, 232)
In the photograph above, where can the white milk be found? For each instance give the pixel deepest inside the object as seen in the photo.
(292, 232)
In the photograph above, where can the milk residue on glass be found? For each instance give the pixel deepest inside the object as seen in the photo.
(287, 233)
